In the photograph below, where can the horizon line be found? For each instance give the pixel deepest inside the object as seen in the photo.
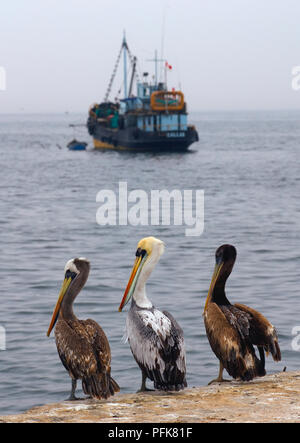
(190, 112)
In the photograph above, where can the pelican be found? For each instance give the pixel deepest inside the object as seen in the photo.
(81, 344)
(155, 338)
(234, 330)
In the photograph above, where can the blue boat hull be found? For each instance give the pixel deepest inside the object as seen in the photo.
(77, 146)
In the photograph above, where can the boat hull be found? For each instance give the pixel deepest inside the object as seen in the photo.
(77, 146)
(133, 139)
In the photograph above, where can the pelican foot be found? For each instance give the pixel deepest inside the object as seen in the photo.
(74, 398)
(145, 390)
(219, 380)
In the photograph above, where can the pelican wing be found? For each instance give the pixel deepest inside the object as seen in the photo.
(157, 344)
(262, 332)
(75, 349)
(178, 332)
(99, 343)
(84, 351)
(100, 385)
(229, 340)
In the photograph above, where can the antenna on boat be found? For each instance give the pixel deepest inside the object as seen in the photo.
(156, 60)
(163, 28)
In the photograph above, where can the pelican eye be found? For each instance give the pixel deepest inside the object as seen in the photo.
(70, 274)
(219, 258)
(140, 252)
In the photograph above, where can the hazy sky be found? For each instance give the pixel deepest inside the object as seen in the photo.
(226, 54)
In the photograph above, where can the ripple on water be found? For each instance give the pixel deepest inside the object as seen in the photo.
(248, 166)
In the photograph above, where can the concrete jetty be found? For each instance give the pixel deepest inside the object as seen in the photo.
(273, 398)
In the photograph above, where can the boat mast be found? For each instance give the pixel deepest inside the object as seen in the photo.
(125, 65)
(155, 67)
(132, 76)
(124, 48)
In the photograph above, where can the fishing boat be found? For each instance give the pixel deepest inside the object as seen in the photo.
(154, 119)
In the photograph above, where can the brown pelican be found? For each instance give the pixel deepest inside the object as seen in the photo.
(155, 338)
(233, 330)
(82, 345)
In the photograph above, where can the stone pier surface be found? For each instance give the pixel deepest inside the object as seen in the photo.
(273, 398)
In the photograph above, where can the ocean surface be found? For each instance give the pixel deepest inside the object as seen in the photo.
(248, 165)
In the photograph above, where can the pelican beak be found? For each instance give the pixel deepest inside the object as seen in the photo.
(137, 267)
(64, 288)
(214, 279)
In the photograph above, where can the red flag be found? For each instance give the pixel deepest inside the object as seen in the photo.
(168, 66)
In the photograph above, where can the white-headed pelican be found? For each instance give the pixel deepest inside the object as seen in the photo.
(155, 338)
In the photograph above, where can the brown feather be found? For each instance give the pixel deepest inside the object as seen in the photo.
(262, 332)
(85, 352)
(237, 355)
(234, 330)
